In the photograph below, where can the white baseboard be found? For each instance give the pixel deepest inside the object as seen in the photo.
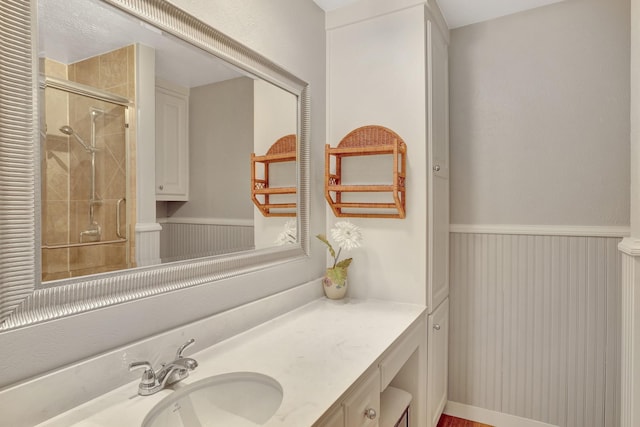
(486, 416)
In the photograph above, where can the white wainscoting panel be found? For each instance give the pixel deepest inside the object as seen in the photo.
(185, 240)
(628, 398)
(535, 326)
(630, 362)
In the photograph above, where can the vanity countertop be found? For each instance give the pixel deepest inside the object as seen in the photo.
(316, 352)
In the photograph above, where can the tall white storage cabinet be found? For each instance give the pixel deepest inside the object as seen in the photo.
(438, 216)
(388, 65)
(172, 142)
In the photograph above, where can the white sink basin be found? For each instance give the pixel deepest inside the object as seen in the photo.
(242, 399)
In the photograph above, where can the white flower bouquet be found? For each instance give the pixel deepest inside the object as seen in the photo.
(289, 235)
(347, 236)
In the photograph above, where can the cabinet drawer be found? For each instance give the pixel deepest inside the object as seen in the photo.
(362, 407)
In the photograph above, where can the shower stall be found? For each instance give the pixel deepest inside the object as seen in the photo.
(85, 181)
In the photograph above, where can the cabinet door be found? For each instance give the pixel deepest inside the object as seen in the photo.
(438, 166)
(362, 407)
(437, 362)
(172, 145)
(334, 420)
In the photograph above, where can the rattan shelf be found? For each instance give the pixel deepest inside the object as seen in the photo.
(367, 141)
(283, 150)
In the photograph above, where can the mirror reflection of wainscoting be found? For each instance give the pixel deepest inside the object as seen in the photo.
(86, 210)
(186, 238)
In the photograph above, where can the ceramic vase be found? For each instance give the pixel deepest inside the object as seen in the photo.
(334, 290)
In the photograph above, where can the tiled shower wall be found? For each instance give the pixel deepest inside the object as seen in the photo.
(67, 187)
(535, 327)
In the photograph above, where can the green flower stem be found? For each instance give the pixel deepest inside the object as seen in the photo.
(335, 259)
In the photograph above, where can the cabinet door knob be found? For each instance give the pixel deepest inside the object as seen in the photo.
(436, 327)
(436, 168)
(370, 413)
(161, 187)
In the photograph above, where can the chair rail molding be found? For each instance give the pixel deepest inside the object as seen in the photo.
(630, 246)
(543, 230)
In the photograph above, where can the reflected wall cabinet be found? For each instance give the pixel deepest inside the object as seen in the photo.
(172, 142)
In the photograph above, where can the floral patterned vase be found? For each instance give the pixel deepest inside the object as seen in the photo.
(332, 289)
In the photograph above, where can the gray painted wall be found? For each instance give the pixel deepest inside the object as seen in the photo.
(220, 146)
(539, 136)
(540, 117)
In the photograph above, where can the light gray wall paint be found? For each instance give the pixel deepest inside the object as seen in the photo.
(376, 70)
(220, 146)
(291, 33)
(540, 117)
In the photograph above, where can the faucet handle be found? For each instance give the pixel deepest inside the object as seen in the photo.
(183, 347)
(148, 376)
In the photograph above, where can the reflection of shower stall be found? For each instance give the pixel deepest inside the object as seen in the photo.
(85, 175)
(93, 231)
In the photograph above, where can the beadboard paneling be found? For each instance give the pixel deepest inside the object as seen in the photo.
(186, 240)
(535, 327)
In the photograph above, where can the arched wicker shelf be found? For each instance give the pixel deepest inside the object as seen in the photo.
(283, 150)
(367, 141)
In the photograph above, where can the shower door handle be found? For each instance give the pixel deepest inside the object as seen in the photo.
(118, 217)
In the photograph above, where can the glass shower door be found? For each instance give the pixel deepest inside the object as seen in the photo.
(85, 219)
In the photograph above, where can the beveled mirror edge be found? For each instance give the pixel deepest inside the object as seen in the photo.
(21, 304)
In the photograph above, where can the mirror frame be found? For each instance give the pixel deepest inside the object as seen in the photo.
(22, 303)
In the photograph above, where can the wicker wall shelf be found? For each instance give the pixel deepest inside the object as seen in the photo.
(367, 141)
(283, 150)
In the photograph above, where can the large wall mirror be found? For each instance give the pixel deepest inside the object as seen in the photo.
(129, 156)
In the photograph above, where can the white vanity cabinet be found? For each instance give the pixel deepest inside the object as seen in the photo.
(333, 362)
(172, 142)
(362, 407)
(401, 366)
(335, 419)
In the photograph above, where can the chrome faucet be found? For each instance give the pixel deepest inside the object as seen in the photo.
(168, 374)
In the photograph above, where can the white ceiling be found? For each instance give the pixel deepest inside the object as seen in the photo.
(73, 30)
(459, 13)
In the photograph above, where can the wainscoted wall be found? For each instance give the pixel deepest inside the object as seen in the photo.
(535, 326)
(186, 238)
(627, 397)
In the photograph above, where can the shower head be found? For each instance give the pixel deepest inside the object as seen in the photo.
(68, 130)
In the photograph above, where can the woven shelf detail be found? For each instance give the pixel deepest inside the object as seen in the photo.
(283, 150)
(367, 141)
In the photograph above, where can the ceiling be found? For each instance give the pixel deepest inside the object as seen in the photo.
(459, 13)
(73, 30)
